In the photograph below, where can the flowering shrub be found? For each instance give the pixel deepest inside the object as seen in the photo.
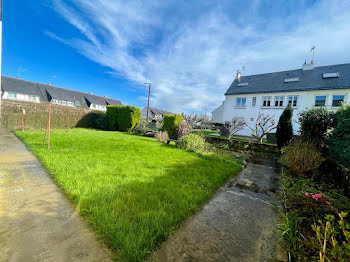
(162, 136)
(315, 125)
(183, 129)
(306, 204)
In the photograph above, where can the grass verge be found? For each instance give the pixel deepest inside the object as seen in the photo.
(133, 190)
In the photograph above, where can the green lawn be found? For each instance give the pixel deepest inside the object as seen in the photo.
(133, 190)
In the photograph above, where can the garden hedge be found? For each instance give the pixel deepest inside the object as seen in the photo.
(170, 123)
(123, 118)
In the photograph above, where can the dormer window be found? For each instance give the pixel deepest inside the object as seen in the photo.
(291, 79)
(330, 75)
(242, 84)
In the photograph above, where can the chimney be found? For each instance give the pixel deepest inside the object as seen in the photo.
(307, 66)
(238, 76)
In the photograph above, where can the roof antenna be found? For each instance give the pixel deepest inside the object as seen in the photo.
(313, 54)
(19, 71)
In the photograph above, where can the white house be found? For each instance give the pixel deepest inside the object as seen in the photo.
(153, 113)
(306, 88)
(21, 90)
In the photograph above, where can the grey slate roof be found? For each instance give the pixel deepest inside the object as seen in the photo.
(48, 92)
(155, 111)
(308, 80)
(23, 87)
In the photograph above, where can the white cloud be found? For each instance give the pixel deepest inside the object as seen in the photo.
(190, 51)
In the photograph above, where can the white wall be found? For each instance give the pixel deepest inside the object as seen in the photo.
(21, 97)
(306, 100)
(98, 107)
(217, 116)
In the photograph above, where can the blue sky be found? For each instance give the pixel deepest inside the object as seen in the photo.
(189, 50)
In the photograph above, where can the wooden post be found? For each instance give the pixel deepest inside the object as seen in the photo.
(22, 116)
(49, 127)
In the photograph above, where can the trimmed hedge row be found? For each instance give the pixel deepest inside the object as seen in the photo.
(170, 122)
(123, 118)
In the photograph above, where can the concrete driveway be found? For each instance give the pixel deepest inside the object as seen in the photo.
(37, 221)
(238, 224)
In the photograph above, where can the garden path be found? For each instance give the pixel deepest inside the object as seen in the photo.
(37, 221)
(238, 224)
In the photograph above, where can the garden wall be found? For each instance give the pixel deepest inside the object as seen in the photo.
(36, 115)
(235, 145)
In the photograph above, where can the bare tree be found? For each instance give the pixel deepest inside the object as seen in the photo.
(195, 120)
(263, 126)
(235, 125)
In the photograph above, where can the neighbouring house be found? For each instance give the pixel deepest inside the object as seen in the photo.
(22, 90)
(153, 113)
(306, 88)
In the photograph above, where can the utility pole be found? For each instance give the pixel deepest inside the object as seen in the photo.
(149, 94)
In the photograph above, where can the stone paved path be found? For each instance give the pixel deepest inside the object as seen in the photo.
(37, 222)
(238, 224)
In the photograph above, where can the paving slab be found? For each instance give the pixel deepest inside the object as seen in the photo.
(37, 221)
(238, 224)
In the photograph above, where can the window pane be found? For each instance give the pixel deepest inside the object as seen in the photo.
(337, 100)
(320, 101)
(281, 103)
(244, 101)
(254, 101)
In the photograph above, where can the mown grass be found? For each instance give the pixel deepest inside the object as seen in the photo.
(133, 190)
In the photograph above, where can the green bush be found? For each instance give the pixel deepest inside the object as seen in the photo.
(191, 142)
(339, 142)
(315, 124)
(301, 157)
(170, 123)
(284, 133)
(111, 116)
(123, 118)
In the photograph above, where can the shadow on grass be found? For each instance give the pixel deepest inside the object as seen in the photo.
(136, 216)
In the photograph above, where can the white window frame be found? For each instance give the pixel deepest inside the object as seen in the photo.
(253, 101)
(279, 100)
(294, 101)
(240, 104)
(268, 100)
(325, 101)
